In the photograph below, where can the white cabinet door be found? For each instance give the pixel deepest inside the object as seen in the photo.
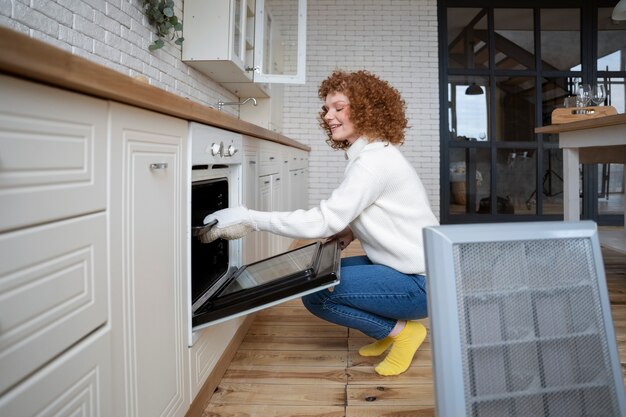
(250, 179)
(280, 41)
(278, 243)
(53, 154)
(241, 42)
(206, 351)
(53, 291)
(148, 269)
(218, 40)
(77, 383)
(264, 239)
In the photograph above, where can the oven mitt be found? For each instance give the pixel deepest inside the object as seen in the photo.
(232, 223)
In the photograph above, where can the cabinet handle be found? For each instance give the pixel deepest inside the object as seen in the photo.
(271, 158)
(162, 165)
(266, 182)
(277, 179)
(252, 162)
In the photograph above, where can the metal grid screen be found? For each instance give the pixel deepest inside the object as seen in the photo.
(532, 332)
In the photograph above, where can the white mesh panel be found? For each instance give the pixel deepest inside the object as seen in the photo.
(532, 332)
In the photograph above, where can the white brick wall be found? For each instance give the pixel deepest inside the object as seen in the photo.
(396, 39)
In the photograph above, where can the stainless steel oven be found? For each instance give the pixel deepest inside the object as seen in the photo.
(220, 287)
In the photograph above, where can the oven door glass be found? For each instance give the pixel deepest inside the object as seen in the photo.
(272, 281)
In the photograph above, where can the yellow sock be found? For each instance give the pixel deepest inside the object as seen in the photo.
(405, 344)
(376, 348)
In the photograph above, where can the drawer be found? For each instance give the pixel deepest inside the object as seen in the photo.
(298, 162)
(53, 154)
(269, 163)
(54, 291)
(76, 383)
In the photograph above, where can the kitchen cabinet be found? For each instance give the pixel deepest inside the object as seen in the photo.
(250, 200)
(93, 254)
(270, 199)
(272, 194)
(267, 187)
(148, 218)
(211, 343)
(53, 249)
(242, 44)
(298, 174)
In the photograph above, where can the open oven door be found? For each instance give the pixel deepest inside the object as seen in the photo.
(269, 282)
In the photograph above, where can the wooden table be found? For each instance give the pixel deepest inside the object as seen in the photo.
(590, 141)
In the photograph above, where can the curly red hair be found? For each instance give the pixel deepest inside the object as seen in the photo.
(377, 110)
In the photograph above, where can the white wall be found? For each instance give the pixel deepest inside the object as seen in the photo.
(396, 39)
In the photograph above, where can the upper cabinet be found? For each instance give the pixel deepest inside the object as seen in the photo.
(244, 44)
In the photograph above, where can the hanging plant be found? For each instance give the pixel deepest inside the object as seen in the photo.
(160, 13)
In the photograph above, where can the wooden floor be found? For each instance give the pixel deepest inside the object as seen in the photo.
(293, 364)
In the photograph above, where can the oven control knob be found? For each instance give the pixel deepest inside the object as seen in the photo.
(231, 150)
(216, 149)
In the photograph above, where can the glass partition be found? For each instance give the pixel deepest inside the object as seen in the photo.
(515, 109)
(516, 175)
(468, 43)
(560, 39)
(468, 108)
(469, 166)
(611, 42)
(514, 39)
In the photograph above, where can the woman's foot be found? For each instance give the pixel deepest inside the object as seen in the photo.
(376, 348)
(405, 344)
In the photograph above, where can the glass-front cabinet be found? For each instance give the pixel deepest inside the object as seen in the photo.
(243, 44)
(505, 67)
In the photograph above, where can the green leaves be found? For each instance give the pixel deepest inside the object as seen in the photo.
(161, 14)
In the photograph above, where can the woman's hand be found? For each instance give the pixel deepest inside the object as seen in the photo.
(345, 237)
(232, 223)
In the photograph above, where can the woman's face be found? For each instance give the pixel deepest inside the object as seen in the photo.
(338, 118)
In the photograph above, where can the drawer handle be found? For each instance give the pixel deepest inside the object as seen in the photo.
(272, 158)
(252, 162)
(162, 165)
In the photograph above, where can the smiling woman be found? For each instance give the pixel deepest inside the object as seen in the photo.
(381, 202)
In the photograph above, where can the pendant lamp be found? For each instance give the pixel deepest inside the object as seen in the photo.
(619, 12)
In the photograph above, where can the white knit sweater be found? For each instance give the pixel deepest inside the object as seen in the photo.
(381, 198)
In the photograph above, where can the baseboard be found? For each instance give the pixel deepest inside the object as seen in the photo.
(206, 392)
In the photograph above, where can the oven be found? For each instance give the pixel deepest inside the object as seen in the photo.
(214, 183)
(220, 287)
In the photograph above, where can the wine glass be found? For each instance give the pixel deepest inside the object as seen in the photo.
(583, 96)
(598, 94)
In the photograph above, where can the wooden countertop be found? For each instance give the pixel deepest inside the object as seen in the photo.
(616, 119)
(32, 59)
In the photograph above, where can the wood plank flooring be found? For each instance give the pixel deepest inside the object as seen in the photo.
(292, 364)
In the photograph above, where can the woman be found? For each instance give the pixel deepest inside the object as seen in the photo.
(381, 202)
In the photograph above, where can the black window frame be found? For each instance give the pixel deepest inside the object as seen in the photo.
(588, 54)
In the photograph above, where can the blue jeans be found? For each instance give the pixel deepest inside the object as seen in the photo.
(370, 298)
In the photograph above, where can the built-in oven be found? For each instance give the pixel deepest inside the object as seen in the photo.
(220, 287)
